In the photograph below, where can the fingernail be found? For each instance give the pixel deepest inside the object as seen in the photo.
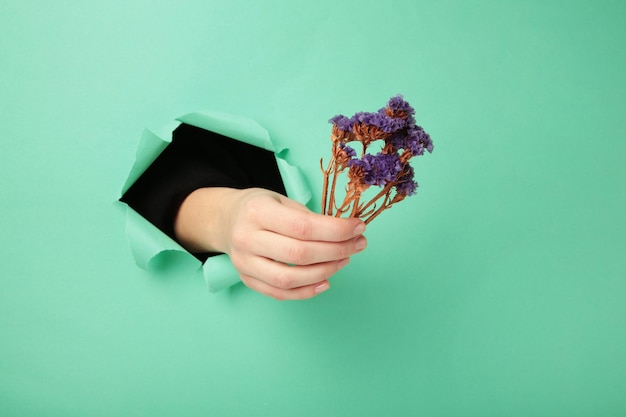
(321, 288)
(361, 243)
(359, 229)
(343, 262)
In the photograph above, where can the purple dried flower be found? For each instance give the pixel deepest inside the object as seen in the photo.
(429, 145)
(379, 120)
(397, 141)
(391, 124)
(366, 118)
(349, 151)
(389, 169)
(417, 140)
(342, 122)
(399, 107)
(406, 186)
(414, 139)
(378, 169)
(343, 154)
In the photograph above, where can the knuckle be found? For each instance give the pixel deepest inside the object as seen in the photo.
(252, 210)
(276, 294)
(283, 280)
(239, 238)
(297, 254)
(343, 250)
(302, 228)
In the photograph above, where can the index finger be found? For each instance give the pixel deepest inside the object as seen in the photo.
(302, 224)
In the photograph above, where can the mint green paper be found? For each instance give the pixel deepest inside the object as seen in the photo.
(294, 181)
(150, 146)
(146, 241)
(232, 126)
(219, 273)
(498, 290)
(150, 247)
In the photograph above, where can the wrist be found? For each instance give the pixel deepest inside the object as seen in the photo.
(203, 219)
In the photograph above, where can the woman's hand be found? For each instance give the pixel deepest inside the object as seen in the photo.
(279, 247)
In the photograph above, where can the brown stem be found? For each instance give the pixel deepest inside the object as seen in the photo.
(379, 195)
(332, 203)
(386, 204)
(326, 174)
(382, 208)
(355, 206)
(346, 202)
(324, 188)
(362, 213)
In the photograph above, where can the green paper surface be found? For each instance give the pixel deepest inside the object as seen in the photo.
(498, 290)
(232, 126)
(150, 146)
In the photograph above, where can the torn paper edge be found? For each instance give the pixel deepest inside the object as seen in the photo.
(147, 242)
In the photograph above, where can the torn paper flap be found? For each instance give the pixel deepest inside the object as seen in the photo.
(151, 248)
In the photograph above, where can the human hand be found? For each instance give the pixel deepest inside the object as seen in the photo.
(279, 247)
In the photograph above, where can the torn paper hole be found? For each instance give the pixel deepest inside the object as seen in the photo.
(151, 248)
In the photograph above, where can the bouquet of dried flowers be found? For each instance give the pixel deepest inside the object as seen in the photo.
(401, 139)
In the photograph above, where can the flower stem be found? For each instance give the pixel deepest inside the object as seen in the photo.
(332, 204)
(384, 191)
(347, 201)
(355, 207)
(382, 208)
(326, 174)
